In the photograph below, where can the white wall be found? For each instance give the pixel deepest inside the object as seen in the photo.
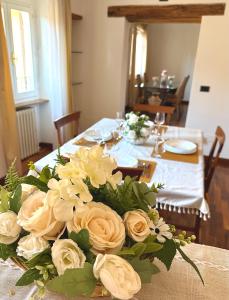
(172, 47)
(207, 110)
(105, 91)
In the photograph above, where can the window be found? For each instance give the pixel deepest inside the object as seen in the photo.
(141, 51)
(19, 28)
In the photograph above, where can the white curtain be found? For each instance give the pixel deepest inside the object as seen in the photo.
(55, 56)
(141, 51)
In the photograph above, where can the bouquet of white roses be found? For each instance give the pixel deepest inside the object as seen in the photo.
(137, 128)
(78, 228)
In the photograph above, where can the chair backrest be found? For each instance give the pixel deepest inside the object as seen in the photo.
(153, 109)
(213, 157)
(181, 89)
(132, 172)
(59, 123)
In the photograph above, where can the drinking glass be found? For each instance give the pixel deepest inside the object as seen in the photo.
(159, 120)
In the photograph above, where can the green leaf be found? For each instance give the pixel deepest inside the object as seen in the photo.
(36, 182)
(152, 247)
(186, 258)
(74, 282)
(126, 251)
(167, 253)
(7, 251)
(138, 248)
(28, 277)
(145, 269)
(15, 200)
(40, 259)
(81, 238)
(4, 200)
(45, 174)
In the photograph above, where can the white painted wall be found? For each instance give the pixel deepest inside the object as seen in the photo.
(207, 110)
(172, 47)
(106, 46)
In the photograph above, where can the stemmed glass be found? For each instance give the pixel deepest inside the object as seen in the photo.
(159, 120)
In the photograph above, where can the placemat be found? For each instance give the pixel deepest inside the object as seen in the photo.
(149, 171)
(83, 142)
(187, 158)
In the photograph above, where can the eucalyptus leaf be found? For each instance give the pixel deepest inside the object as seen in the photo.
(40, 259)
(28, 277)
(167, 253)
(36, 182)
(145, 269)
(74, 282)
(152, 247)
(15, 200)
(81, 238)
(126, 251)
(7, 251)
(138, 248)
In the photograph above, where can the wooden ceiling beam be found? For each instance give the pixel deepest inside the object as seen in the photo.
(160, 12)
(163, 20)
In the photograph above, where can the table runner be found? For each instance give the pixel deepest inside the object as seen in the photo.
(180, 283)
(183, 182)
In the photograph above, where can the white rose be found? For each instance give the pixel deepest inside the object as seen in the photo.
(105, 226)
(117, 276)
(132, 119)
(67, 255)
(131, 134)
(137, 225)
(38, 218)
(30, 245)
(144, 132)
(9, 229)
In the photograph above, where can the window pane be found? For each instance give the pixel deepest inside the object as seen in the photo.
(22, 56)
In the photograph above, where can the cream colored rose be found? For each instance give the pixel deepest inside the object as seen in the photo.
(67, 255)
(137, 225)
(9, 229)
(38, 218)
(27, 190)
(117, 276)
(30, 245)
(105, 226)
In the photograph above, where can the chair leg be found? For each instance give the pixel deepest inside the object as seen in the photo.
(197, 229)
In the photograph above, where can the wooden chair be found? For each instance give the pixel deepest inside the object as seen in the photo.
(153, 109)
(132, 172)
(70, 118)
(213, 158)
(176, 100)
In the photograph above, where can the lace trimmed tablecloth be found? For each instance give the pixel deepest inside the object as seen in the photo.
(180, 283)
(184, 182)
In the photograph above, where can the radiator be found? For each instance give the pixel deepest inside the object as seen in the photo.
(28, 135)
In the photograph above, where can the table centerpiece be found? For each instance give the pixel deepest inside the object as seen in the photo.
(79, 229)
(137, 128)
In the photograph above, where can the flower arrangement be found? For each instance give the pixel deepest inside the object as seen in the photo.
(78, 226)
(137, 128)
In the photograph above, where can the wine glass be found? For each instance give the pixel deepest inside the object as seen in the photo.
(159, 120)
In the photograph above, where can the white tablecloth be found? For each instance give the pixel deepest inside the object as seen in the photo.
(180, 283)
(184, 182)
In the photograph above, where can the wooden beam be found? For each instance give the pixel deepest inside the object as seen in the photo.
(163, 20)
(76, 17)
(160, 12)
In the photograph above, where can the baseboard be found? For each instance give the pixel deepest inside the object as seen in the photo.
(46, 145)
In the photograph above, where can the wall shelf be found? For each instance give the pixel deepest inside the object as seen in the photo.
(77, 83)
(79, 52)
(76, 17)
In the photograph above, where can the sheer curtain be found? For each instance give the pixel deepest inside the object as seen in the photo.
(138, 57)
(9, 143)
(55, 57)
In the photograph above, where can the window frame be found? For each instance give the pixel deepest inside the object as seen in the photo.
(17, 5)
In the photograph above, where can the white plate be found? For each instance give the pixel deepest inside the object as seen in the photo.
(180, 146)
(97, 136)
(126, 161)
